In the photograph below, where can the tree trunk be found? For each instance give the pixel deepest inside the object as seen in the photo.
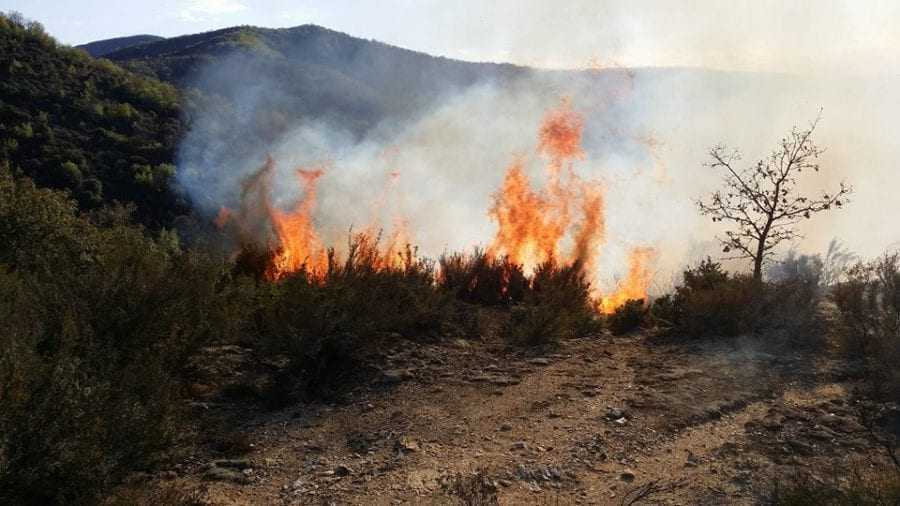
(757, 268)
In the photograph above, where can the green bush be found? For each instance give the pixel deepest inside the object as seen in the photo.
(97, 325)
(858, 487)
(713, 303)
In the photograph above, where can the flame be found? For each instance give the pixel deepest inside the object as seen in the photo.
(299, 246)
(563, 220)
(532, 223)
(636, 283)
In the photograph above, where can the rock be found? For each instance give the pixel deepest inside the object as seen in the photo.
(505, 483)
(627, 475)
(395, 376)
(539, 361)
(226, 474)
(621, 422)
(519, 445)
(691, 460)
(615, 413)
(406, 445)
(505, 427)
(503, 381)
(342, 470)
(232, 463)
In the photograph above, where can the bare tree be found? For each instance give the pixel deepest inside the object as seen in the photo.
(762, 201)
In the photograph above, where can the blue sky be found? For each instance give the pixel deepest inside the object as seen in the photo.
(829, 36)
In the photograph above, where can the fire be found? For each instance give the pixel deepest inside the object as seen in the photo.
(291, 235)
(532, 223)
(563, 219)
(636, 282)
(299, 246)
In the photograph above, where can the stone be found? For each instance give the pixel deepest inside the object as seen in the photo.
(621, 421)
(226, 474)
(519, 445)
(406, 445)
(627, 475)
(342, 470)
(394, 376)
(615, 413)
(232, 463)
(539, 361)
(505, 427)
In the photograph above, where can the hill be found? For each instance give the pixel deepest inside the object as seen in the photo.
(88, 126)
(103, 47)
(320, 72)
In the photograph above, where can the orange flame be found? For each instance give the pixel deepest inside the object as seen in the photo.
(636, 283)
(299, 246)
(533, 223)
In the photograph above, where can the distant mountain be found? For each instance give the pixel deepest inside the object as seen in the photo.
(88, 126)
(320, 72)
(103, 47)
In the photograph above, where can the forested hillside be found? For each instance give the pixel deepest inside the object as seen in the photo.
(321, 73)
(88, 126)
(103, 47)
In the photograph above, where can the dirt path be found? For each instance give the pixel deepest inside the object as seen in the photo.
(601, 421)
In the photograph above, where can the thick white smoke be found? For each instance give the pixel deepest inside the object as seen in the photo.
(646, 137)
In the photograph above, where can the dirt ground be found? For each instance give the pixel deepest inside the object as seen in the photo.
(602, 420)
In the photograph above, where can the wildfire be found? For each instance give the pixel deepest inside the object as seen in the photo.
(299, 246)
(532, 223)
(563, 219)
(636, 282)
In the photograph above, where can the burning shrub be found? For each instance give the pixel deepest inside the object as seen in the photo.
(627, 317)
(329, 326)
(480, 278)
(868, 329)
(91, 346)
(556, 306)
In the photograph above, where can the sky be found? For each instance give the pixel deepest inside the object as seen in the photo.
(853, 37)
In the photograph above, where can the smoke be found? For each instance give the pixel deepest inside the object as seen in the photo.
(646, 134)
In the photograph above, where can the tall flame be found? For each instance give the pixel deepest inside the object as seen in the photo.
(299, 246)
(532, 223)
(562, 220)
(636, 282)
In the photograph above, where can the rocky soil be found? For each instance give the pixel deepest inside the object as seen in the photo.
(601, 420)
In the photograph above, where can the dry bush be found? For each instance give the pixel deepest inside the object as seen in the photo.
(328, 326)
(860, 486)
(479, 278)
(557, 305)
(868, 323)
(627, 317)
(475, 489)
(714, 303)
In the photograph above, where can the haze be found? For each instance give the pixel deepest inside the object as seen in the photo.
(834, 37)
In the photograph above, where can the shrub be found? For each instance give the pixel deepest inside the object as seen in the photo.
(627, 317)
(868, 330)
(482, 279)
(475, 489)
(557, 305)
(712, 302)
(328, 325)
(859, 487)
(97, 323)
